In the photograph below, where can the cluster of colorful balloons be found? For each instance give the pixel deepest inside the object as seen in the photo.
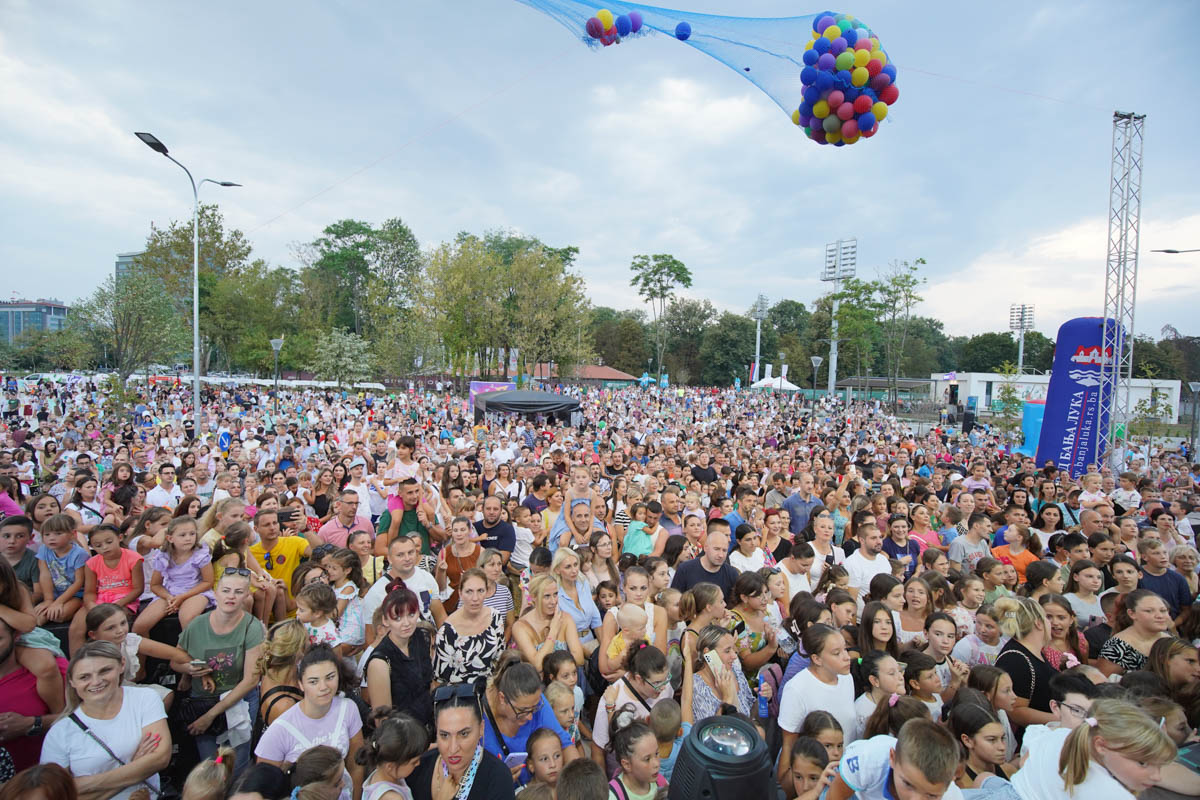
(848, 83)
(610, 29)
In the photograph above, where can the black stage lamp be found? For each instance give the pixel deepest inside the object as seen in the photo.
(723, 758)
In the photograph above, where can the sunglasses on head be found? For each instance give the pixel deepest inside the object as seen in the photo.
(236, 571)
(458, 691)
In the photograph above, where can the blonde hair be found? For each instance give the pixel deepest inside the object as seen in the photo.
(286, 642)
(1125, 729)
(93, 649)
(209, 780)
(208, 520)
(1019, 616)
(537, 586)
(558, 690)
(561, 555)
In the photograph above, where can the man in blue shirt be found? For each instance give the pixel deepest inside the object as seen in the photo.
(801, 503)
(1164, 582)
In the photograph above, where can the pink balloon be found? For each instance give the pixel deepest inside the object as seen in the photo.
(845, 111)
(849, 128)
(835, 99)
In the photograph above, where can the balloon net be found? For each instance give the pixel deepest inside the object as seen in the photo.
(768, 52)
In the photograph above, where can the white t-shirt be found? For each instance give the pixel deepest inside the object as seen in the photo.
(864, 707)
(158, 497)
(1039, 778)
(804, 693)
(421, 583)
(797, 582)
(866, 768)
(68, 746)
(861, 570)
(819, 563)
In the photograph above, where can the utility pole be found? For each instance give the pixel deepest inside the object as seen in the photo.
(841, 262)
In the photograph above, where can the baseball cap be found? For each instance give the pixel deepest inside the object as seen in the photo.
(358, 462)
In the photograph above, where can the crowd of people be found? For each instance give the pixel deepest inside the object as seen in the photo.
(328, 595)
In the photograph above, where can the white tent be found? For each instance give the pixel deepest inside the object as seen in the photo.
(778, 384)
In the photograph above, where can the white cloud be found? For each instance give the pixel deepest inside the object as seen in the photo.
(1062, 274)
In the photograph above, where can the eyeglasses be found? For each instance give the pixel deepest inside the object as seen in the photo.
(519, 712)
(658, 686)
(1078, 711)
(236, 571)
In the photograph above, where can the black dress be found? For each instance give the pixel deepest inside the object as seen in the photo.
(493, 780)
(1030, 674)
(411, 675)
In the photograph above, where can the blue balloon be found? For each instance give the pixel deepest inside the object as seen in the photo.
(843, 79)
(808, 74)
(806, 109)
(866, 121)
(821, 45)
(682, 31)
(811, 94)
(840, 143)
(810, 57)
(624, 25)
(850, 35)
(889, 70)
(824, 82)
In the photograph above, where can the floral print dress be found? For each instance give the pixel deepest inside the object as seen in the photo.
(464, 659)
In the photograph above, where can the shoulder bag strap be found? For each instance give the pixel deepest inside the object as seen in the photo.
(634, 692)
(91, 734)
(487, 711)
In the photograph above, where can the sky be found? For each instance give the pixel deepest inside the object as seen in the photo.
(482, 114)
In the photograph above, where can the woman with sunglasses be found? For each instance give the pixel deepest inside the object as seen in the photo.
(459, 768)
(514, 707)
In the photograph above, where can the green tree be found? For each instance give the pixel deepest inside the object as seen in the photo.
(656, 278)
(685, 322)
(133, 320)
(341, 357)
(168, 256)
(620, 339)
(985, 352)
(1151, 416)
(1039, 351)
(550, 306)
(463, 288)
(1007, 403)
(789, 317)
(340, 266)
(897, 297)
(726, 349)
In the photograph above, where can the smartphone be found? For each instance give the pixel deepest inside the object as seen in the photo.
(714, 663)
(199, 663)
(286, 514)
(515, 759)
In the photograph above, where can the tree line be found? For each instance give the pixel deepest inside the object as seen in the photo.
(367, 301)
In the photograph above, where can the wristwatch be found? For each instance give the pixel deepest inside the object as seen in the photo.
(36, 728)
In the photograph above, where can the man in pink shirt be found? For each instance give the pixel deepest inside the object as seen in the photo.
(345, 521)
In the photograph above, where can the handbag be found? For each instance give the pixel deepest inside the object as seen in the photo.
(188, 709)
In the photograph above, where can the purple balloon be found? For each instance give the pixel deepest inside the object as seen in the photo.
(837, 46)
(826, 62)
(804, 120)
(823, 23)
(635, 18)
(880, 81)
(595, 28)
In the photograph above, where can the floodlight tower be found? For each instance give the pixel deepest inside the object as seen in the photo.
(841, 262)
(1120, 279)
(759, 313)
(1020, 319)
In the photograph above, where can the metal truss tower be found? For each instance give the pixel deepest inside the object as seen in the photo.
(1120, 279)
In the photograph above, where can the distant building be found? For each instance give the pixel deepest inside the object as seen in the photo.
(19, 316)
(125, 262)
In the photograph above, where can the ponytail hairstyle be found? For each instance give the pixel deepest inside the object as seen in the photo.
(985, 678)
(814, 640)
(625, 736)
(1125, 604)
(399, 600)
(866, 643)
(212, 776)
(969, 718)
(1076, 568)
(320, 598)
(1121, 727)
(1019, 615)
(398, 739)
(748, 584)
(1037, 574)
(961, 584)
(708, 640)
(881, 586)
(817, 722)
(804, 613)
(829, 578)
(810, 749)
(643, 659)
(696, 599)
(867, 667)
(515, 678)
(321, 764)
(891, 713)
(1161, 652)
(348, 560)
(234, 540)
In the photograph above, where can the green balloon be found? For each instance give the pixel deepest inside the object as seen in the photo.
(831, 123)
(845, 60)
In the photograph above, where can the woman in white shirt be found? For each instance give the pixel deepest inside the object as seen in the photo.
(825, 685)
(1115, 754)
(825, 552)
(115, 739)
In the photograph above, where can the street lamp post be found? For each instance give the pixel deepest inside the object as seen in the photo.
(151, 141)
(1195, 387)
(277, 345)
(816, 362)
